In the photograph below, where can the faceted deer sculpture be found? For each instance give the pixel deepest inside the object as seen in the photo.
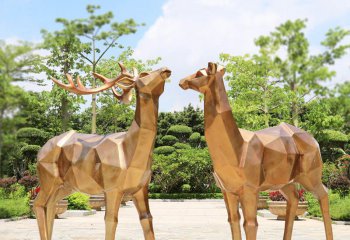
(116, 164)
(247, 162)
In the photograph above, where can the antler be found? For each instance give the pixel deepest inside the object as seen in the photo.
(125, 84)
(124, 81)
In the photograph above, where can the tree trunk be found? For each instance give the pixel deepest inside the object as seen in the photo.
(294, 107)
(1, 143)
(64, 113)
(93, 102)
(295, 114)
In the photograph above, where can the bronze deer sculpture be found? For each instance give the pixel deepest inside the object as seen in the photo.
(247, 162)
(115, 164)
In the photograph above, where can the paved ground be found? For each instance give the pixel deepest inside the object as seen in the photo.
(172, 220)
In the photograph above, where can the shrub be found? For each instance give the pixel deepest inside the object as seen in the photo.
(32, 136)
(185, 196)
(339, 207)
(181, 146)
(30, 151)
(339, 183)
(183, 166)
(195, 139)
(344, 165)
(78, 201)
(165, 150)
(17, 191)
(203, 142)
(14, 207)
(182, 132)
(7, 182)
(277, 196)
(332, 136)
(327, 170)
(169, 140)
(153, 188)
(29, 182)
(186, 188)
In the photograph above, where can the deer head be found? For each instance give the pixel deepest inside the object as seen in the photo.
(203, 78)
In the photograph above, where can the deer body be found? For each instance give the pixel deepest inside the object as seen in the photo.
(114, 164)
(247, 162)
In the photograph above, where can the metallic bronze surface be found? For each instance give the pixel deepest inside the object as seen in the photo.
(115, 164)
(247, 162)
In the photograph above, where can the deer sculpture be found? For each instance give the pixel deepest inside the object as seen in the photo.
(115, 164)
(247, 162)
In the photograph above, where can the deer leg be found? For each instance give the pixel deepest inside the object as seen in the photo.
(292, 197)
(140, 200)
(249, 201)
(113, 200)
(39, 209)
(51, 208)
(321, 194)
(231, 201)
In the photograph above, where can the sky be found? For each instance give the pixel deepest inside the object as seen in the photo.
(186, 34)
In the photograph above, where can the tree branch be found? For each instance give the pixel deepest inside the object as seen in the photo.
(83, 56)
(103, 53)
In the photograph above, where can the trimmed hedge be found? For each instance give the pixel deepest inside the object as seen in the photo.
(195, 139)
(164, 150)
(32, 136)
(185, 195)
(333, 136)
(182, 132)
(181, 146)
(169, 140)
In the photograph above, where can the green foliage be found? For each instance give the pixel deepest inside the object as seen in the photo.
(186, 188)
(15, 191)
(327, 171)
(169, 140)
(332, 136)
(185, 196)
(180, 131)
(179, 145)
(78, 201)
(339, 207)
(271, 86)
(164, 150)
(195, 139)
(32, 136)
(153, 188)
(184, 166)
(14, 207)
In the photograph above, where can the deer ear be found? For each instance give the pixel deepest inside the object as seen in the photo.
(221, 69)
(212, 68)
(143, 74)
(125, 83)
(127, 97)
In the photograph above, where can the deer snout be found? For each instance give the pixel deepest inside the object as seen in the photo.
(184, 84)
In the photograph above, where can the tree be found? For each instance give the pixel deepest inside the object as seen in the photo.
(255, 96)
(300, 72)
(95, 36)
(64, 47)
(16, 62)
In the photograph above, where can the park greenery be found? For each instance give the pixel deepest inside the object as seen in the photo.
(282, 82)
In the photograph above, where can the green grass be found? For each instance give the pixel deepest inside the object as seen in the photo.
(339, 207)
(14, 207)
(185, 195)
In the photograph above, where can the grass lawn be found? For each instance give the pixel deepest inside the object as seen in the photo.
(13, 207)
(339, 207)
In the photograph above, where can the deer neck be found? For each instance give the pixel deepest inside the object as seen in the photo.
(139, 140)
(222, 134)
